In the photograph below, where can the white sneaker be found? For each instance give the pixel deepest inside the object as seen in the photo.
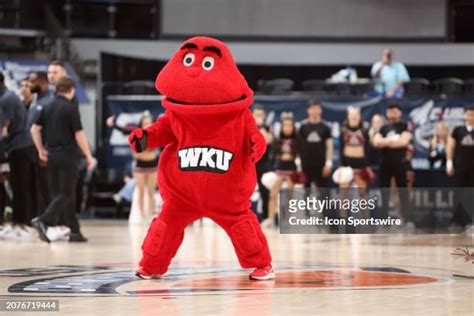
(57, 233)
(8, 233)
(24, 234)
(267, 223)
(52, 233)
(4, 230)
(65, 232)
(16, 233)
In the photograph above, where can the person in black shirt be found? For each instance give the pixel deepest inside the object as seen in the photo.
(393, 138)
(49, 80)
(375, 154)
(42, 96)
(65, 136)
(20, 155)
(57, 70)
(316, 147)
(39, 86)
(460, 164)
(263, 165)
(32, 95)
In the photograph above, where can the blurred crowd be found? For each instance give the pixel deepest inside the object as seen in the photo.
(301, 153)
(378, 153)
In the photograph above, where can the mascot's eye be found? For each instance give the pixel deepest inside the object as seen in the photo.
(208, 63)
(188, 59)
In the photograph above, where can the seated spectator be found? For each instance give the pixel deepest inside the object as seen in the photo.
(392, 75)
(125, 195)
(437, 156)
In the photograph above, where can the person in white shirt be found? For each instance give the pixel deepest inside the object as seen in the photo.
(392, 75)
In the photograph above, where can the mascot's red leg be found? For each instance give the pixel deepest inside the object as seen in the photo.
(247, 237)
(164, 236)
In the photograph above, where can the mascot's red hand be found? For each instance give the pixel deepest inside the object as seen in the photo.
(258, 146)
(137, 140)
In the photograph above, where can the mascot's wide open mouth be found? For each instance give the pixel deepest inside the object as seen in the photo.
(242, 97)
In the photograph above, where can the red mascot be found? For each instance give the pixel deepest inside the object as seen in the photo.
(207, 168)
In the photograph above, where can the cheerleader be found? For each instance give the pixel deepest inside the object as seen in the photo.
(354, 149)
(285, 152)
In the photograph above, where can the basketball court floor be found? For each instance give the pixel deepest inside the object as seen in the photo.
(315, 275)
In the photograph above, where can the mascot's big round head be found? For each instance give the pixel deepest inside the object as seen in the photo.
(202, 72)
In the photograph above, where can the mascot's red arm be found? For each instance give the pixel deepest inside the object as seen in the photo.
(157, 135)
(258, 145)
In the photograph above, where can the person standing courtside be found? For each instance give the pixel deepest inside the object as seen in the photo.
(64, 133)
(316, 151)
(56, 71)
(41, 96)
(393, 139)
(20, 157)
(460, 164)
(263, 165)
(316, 147)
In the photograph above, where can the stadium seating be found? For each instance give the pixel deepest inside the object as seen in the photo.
(139, 87)
(275, 86)
(448, 86)
(469, 87)
(417, 87)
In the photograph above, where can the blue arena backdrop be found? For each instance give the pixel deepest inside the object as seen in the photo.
(423, 113)
(15, 70)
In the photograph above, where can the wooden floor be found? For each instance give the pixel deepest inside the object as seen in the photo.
(315, 275)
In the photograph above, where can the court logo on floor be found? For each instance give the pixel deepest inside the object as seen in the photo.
(120, 280)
